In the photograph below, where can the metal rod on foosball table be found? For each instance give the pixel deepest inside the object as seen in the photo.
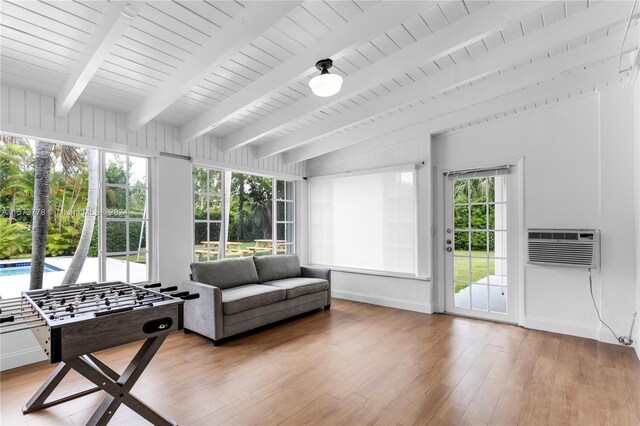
(11, 303)
(48, 297)
(61, 313)
(87, 290)
(7, 328)
(121, 292)
(90, 298)
(90, 306)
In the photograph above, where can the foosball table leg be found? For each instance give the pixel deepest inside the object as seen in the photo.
(118, 391)
(38, 400)
(116, 386)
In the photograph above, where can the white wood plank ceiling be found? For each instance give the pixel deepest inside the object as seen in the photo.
(240, 70)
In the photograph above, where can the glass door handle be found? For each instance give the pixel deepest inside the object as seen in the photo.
(448, 249)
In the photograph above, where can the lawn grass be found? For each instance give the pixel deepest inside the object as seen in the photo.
(478, 268)
(133, 258)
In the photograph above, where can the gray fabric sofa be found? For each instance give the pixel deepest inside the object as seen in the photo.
(241, 294)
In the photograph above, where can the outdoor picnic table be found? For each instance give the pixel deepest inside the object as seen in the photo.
(265, 245)
(233, 248)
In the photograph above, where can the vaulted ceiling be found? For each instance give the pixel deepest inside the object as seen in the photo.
(240, 69)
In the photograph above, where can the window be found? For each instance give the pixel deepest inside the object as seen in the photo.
(239, 211)
(207, 210)
(250, 216)
(285, 217)
(364, 222)
(126, 218)
(118, 242)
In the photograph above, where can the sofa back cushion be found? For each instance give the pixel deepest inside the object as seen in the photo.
(225, 273)
(277, 267)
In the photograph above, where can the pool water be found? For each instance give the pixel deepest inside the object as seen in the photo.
(22, 268)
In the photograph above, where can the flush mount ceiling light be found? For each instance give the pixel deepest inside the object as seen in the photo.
(325, 84)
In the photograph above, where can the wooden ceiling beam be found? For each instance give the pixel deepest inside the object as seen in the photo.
(489, 94)
(520, 50)
(334, 45)
(459, 34)
(596, 75)
(257, 17)
(115, 19)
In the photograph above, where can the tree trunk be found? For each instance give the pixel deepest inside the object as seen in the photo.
(40, 214)
(76, 195)
(64, 194)
(73, 272)
(12, 209)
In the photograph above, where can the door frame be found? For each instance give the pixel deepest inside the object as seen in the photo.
(519, 228)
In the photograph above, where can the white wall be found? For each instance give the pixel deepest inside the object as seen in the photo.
(19, 348)
(30, 114)
(636, 168)
(404, 293)
(578, 173)
(174, 221)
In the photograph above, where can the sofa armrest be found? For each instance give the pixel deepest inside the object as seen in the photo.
(322, 273)
(204, 315)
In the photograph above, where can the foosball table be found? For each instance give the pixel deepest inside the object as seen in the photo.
(73, 322)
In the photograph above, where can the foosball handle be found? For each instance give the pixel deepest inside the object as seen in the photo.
(10, 318)
(166, 289)
(179, 294)
(190, 296)
(154, 285)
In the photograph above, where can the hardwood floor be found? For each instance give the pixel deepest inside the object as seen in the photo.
(364, 364)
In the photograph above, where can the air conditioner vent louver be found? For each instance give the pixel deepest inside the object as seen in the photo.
(564, 247)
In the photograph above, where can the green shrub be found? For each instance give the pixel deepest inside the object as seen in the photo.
(478, 221)
(15, 239)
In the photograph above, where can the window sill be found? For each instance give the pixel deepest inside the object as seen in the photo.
(376, 273)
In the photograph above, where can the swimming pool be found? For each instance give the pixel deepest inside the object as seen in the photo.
(23, 268)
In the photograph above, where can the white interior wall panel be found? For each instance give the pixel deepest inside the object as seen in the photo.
(636, 168)
(617, 115)
(31, 114)
(577, 174)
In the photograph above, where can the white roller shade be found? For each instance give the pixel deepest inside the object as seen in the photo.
(364, 221)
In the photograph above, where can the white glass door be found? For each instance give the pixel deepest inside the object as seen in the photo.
(481, 246)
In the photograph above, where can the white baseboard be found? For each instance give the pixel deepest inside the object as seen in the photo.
(561, 327)
(572, 329)
(20, 358)
(408, 305)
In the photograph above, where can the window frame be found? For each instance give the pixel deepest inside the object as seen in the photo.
(147, 223)
(226, 174)
(289, 205)
(208, 221)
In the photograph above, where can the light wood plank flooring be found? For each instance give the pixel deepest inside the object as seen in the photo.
(365, 364)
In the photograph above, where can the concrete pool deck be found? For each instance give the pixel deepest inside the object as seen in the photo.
(13, 285)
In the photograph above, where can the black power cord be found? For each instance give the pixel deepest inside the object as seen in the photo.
(627, 341)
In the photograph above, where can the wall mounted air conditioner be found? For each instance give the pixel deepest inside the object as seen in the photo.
(564, 247)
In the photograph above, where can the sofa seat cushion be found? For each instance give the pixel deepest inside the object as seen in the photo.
(244, 297)
(225, 273)
(277, 267)
(299, 286)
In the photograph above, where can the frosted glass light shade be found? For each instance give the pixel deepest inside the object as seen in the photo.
(325, 85)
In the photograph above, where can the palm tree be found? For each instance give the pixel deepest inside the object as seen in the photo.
(40, 224)
(80, 255)
(473, 189)
(70, 159)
